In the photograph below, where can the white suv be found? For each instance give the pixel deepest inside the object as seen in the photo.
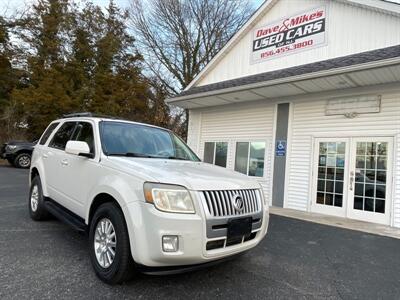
(146, 200)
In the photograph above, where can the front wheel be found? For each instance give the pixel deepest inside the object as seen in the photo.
(37, 210)
(23, 161)
(110, 252)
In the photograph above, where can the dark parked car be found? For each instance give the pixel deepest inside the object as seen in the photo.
(18, 153)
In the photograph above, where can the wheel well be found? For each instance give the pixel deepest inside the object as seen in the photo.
(99, 200)
(23, 151)
(34, 173)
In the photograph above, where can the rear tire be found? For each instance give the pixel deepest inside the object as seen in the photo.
(23, 161)
(37, 209)
(110, 251)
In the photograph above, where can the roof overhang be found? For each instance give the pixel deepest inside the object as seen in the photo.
(372, 68)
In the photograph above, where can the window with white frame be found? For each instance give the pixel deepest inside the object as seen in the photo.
(216, 153)
(249, 158)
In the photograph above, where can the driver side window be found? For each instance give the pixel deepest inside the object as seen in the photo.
(62, 136)
(84, 133)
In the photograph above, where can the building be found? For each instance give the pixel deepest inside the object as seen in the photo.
(306, 98)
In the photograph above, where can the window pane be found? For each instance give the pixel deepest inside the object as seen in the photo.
(84, 133)
(121, 138)
(63, 135)
(47, 133)
(221, 154)
(209, 152)
(242, 154)
(320, 198)
(256, 163)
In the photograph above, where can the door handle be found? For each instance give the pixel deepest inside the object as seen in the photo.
(45, 155)
(64, 162)
(351, 180)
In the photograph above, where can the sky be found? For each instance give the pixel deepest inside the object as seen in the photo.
(11, 5)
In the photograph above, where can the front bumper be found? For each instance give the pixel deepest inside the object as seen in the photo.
(148, 225)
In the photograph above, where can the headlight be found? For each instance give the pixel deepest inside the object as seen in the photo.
(169, 198)
(11, 147)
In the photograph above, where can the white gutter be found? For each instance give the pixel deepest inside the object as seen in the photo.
(325, 73)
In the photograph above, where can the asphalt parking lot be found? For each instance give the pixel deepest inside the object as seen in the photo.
(40, 260)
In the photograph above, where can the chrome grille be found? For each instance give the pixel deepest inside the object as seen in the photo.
(219, 203)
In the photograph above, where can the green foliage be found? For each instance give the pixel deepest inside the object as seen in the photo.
(73, 59)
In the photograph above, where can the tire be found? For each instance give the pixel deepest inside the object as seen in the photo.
(37, 209)
(121, 267)
(22, 161)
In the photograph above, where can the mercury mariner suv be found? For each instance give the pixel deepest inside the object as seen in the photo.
(145, 199)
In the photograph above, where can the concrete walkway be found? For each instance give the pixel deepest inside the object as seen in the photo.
(338, 222)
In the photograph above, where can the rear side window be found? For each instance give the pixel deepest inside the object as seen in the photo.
(84, 133)
(48, 132)
(63, 135)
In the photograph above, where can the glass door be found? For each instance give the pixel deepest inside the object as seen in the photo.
(330, 180)
(370, 179)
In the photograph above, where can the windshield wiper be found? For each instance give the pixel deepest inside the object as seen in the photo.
(131, 154)
(175, 157)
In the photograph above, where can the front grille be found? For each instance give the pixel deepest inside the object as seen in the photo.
(219, 203)
(3, 149)
(217, 244)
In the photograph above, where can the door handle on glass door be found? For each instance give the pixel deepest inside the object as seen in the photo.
(351, 180)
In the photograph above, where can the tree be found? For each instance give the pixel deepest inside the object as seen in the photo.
(79, 59)
(179, 37)
(8, 80)
(48, 91)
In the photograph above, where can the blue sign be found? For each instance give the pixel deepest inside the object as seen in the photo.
(280, 148)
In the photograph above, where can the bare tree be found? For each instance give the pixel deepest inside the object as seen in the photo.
(179, 37)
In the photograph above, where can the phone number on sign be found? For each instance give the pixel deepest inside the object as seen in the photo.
(287, 48)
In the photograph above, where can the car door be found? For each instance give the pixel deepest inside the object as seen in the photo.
(54, 164)
(80, 172)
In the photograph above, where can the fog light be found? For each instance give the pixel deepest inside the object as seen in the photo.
(170, 243)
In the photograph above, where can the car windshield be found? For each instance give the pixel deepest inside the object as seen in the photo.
(135, 140)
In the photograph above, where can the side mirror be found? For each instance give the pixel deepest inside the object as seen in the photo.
(78, 148)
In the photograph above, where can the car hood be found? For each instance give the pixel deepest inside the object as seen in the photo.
(21, 143)
(192, 175)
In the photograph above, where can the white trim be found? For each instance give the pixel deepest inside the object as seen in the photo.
(395, 157)
(288, 152)
(348, 69)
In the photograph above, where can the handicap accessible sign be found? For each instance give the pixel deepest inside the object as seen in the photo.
(280, 148)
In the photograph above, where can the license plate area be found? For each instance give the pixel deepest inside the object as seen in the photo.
(239, 227)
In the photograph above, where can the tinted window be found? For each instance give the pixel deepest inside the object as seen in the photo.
(48, 132)
(209, 152)
(221, 154)
(251, 164)
(119, 138)
(63, 135)
(84, 133)
(216, 153)
(242, 156)
(256, 160)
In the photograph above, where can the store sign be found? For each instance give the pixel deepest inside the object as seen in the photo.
(354, 105)
(289, 35)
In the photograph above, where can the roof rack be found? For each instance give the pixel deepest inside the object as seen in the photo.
(87, 114)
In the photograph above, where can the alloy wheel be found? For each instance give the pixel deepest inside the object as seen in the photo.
(105, 242)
